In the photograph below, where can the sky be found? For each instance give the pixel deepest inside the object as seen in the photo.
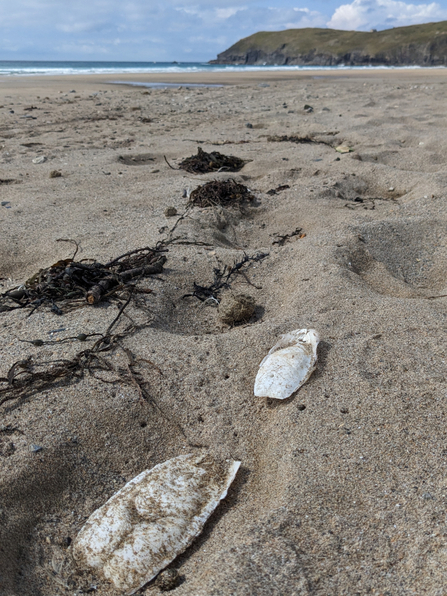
(181, 30)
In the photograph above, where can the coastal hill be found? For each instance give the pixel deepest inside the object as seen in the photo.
(424, 45)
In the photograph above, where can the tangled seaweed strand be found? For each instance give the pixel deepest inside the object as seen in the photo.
(281, 239)
(28, 376)
(297, 139)
(211, 162)
(223, 278)
(68, 281)
(220, 192)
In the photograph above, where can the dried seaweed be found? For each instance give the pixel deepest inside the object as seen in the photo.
(296, 139)
(291, 139)
(220, 192)
(203, 163)
(69, 281)
(274, 191)
(223, 278)
(281, 239)
(31, 375)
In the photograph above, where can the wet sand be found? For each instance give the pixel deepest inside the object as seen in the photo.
(343, 486)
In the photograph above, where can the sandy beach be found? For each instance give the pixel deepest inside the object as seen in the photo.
(343, 487)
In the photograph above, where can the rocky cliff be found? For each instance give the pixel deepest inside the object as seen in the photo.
(424, 45)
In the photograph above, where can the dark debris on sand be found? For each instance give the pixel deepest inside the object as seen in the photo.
(68, 281)
(223, 278)
(220, 192)
(299, 139)
(203, 163)
(291, 139)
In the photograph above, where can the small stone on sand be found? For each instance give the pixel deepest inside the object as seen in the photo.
(235, 308)
(167, 580)
(170, 212)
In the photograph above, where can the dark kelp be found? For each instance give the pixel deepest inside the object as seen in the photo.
(274, 191)
(68, 281)
(297, 139)
(280, 240)
(220, 192)
(223, 278)
(211, 162)
(33, 374)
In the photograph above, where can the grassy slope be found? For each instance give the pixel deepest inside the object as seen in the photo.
(303, 41)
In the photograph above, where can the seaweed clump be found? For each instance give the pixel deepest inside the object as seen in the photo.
(69, 281)
(203, 162)
(220, 192)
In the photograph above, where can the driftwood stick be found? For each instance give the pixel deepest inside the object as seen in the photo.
(97, 292)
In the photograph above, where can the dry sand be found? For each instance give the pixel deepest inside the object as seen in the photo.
(343, 487)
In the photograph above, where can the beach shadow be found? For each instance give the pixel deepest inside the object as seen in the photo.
(224, 506)
(323, 350)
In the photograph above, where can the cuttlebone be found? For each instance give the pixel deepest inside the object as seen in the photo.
(152, 519)
(288, 365)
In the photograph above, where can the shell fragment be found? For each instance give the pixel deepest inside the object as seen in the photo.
(152, 519)
(288, 365)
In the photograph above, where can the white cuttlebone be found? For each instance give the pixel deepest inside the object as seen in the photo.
(153, 518)
(288, 365)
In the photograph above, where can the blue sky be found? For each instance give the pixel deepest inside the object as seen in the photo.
(182, 30)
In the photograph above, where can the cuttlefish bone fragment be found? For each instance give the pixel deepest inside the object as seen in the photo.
(152, 519)
(288, 365)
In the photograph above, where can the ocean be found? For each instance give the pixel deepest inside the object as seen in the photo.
(26, 67)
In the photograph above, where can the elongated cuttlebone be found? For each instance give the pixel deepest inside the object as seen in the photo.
(288, 365)
(153, 518)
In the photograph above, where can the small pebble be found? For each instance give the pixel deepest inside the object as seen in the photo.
(55, 174)
(249, 125)
(170, 211)
(167, 580)
(40, 159)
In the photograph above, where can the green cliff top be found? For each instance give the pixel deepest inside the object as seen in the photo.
(303, 41)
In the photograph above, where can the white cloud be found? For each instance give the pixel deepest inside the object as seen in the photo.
(380, 14)
(76, 27)
(226, 13)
